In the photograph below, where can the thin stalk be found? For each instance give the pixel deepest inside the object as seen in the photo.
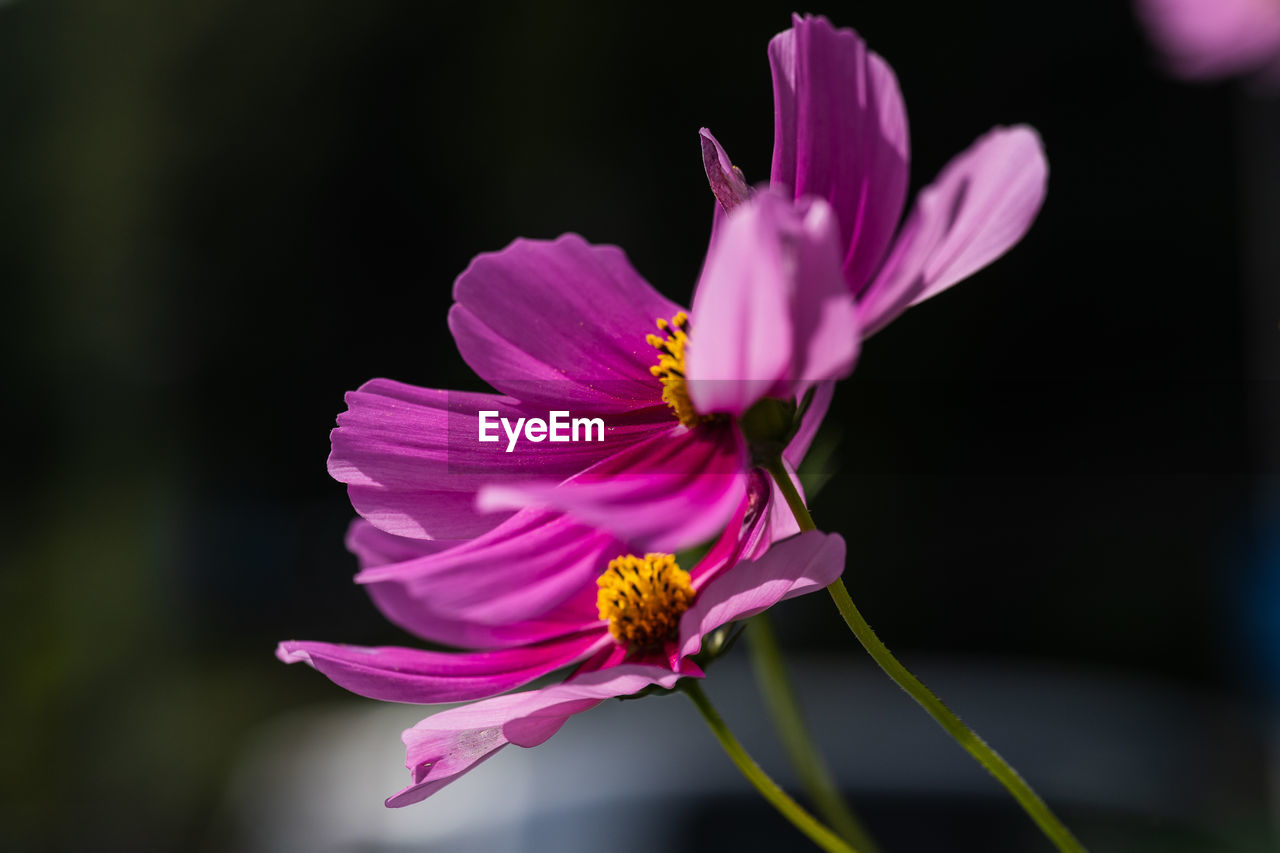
(789, 808)
(1030, 801)
(815, 777)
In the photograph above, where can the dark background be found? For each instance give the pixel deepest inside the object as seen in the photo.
(218, 215)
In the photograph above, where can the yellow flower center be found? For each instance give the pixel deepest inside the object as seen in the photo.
(670, 368)
(643, 598)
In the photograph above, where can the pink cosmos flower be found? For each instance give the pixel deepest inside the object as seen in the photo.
(638, 624)
(840, 133)
(1205, 39)
(567, 326)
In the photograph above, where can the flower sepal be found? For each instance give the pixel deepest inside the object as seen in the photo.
(718, 643)
(768, 427)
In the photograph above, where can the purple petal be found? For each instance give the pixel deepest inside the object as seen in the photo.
(771, 313)
(780, 523)
(521, 569)
(560, 323)
(410, 605)
(446, 745)
(762, 518)
(982, 203)
(410, 609)
(413, 460)
(810, 422)
(727, 183)
(668, 493)
(800, 565)
(738, 533)
(840, 133)
(741, 343)
(374, 547)
(826, 337)
(422, 512)
(395, 674)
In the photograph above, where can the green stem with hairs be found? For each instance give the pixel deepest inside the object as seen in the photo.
(789, 808)
(1030, 801)
(815, 777)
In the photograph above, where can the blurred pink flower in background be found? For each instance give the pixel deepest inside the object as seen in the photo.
(1209, 39)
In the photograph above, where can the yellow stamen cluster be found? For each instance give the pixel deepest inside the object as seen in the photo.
(670, 368)
(643, 598)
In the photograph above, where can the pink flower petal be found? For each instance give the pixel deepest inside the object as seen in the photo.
(446, 745)
(780, 523)
(410, 606)
(982, 203)
(771, 314)
(741, 343)
(521, 569)
(826, 338)
(761, 519)
(560, 324)
(410, 609)
(397, 674)
(810, 423)
(670, 492)
(413, 460)
(375, 547)
(840, 133)
(727, 182)
(795, 567)
(422, 512)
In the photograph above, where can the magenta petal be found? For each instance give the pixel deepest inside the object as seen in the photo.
(800, 565)
(741, 342)
(422, 512)
(395, 674)
(375, 547)
(670, 492)
(444, 746)
(523, 568)
(771, 313)
(410, 605)
(738, 533)
(811, 421)
(826, 337)
(410, 609)
(412, 458)
(560, 323)
(781, 522)
(727, 183)
(840, 133)
(981, 204)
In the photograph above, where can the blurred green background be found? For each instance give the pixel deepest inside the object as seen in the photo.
(217, 216)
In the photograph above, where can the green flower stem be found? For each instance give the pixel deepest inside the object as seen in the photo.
(790, 809)
(1030, 801)
(815, 777)
(794, 501)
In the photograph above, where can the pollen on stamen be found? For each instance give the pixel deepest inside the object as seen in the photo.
(643, 598)
(670, 368)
